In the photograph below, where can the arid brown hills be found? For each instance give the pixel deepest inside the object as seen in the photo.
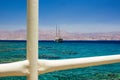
(50, 35)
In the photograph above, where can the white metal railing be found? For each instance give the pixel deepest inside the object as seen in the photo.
(32, 38)
(21, 68)
(32, 66)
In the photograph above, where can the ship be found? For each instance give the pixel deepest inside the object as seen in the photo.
(58, 37)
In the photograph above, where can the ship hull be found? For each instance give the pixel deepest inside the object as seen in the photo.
(59, 40)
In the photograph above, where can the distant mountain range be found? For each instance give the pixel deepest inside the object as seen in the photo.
(50, 35)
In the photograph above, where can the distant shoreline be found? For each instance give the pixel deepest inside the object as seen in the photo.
(63, 41)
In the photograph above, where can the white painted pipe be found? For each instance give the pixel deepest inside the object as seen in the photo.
(14, 69)
(32, 38)
(22, 68)
(55, 65)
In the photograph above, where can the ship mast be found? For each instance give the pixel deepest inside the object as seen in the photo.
(56, 31)
(59, 32)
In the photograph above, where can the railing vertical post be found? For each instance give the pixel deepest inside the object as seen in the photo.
(32, 38)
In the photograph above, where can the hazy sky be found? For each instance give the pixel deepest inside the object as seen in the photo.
(70, 15)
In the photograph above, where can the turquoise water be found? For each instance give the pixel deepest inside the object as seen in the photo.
(11, 51)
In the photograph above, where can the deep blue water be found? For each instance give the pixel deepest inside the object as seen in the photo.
(16, 50)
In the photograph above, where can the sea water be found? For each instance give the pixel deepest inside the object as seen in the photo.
(11, 51)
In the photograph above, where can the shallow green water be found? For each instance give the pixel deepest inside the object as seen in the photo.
(16, 51)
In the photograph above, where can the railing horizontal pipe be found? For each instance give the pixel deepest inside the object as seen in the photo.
(55, 65)
(14, 69)
(21, 68)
